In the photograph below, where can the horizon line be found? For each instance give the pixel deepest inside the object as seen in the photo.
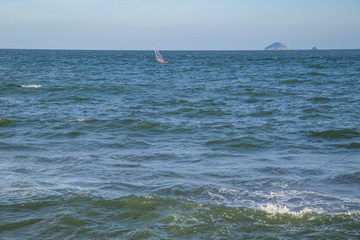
(120, 49)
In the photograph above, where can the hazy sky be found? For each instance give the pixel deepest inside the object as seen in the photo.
(179, 24)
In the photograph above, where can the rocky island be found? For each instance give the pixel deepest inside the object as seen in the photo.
(278, 46)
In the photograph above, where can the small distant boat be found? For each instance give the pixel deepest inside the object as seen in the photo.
(158, 56)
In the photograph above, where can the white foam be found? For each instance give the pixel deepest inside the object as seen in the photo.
(215, 196)
(274, 210)
(351, 213)
(31, 86)
(296, 203)
(229, 191)
(77, 120)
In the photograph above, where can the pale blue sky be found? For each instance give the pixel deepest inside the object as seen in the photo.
(180, 24)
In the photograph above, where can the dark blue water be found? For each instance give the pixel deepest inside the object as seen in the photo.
(210, 145)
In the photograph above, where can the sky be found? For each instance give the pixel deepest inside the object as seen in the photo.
(179, 24)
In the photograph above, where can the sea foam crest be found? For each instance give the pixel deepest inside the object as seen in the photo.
(274, 210)
(77, 120)
(31, 86)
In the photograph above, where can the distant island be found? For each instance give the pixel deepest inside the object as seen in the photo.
(278, 46)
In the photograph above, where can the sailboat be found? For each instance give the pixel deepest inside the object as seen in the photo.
(158, 56)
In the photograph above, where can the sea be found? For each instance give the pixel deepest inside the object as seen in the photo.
(209, 145)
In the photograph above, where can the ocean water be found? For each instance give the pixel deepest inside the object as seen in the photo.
(210, 145)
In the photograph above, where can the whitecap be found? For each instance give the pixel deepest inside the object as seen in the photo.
(274, 210)
(31, 86)
(77, 120)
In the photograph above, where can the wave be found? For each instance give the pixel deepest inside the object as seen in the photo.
(143, 217)
(31, 86)
(78, 120)
(80, 99)
(320, 99)
(261, 114)
(5, 122)
(8, 86)
(291, 81)
(336, 134)
(351, 178)
(272, 209)
(238, 143)
(317, 66)
(317, 74)
(146, 126)
(352, 145)
(18, 146)
(274, 170)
